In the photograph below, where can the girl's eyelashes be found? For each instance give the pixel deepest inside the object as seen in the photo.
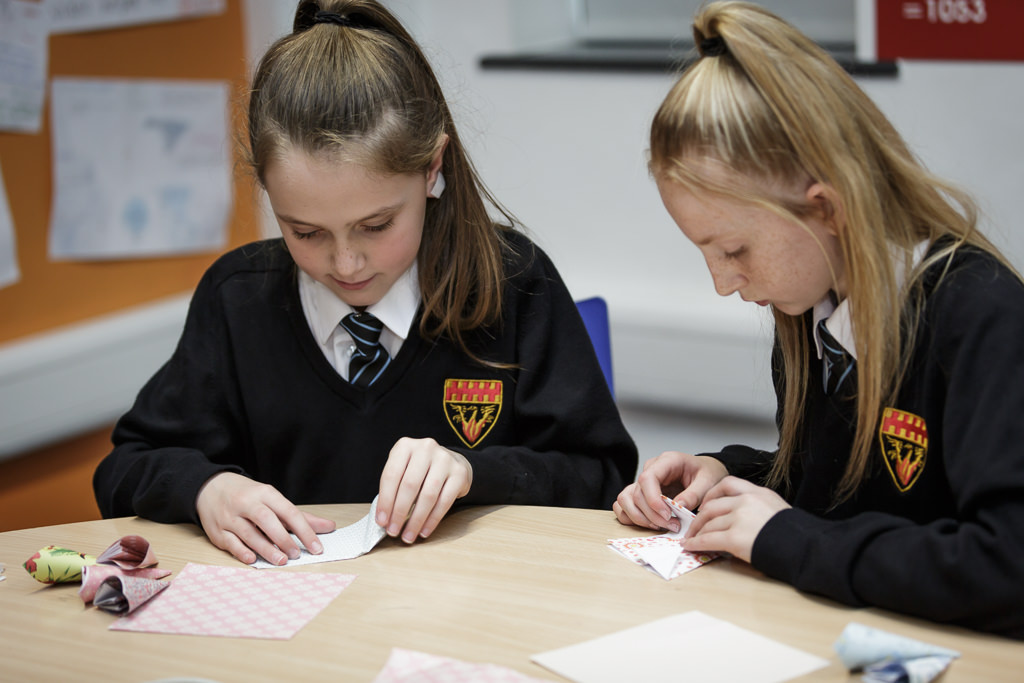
(309, 234)
(380, 227)
(736, 253)
(305, 235)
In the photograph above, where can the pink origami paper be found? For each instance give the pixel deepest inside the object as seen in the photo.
(236, 602)
(128, 552)
(663, 554)
(409, 666)
(96, 574)
(119, 594)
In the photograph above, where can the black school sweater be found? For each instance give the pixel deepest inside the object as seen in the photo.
(249, 391)
(937, 529)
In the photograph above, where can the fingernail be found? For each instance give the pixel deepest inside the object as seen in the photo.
(294, 554)
(393, 530)
(409, 538)
(280, 558)
(673, 525)
(318, 547)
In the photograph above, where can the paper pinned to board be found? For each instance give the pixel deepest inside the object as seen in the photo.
(67, 16)
(9, 272)
(141, 168)
(23, 65)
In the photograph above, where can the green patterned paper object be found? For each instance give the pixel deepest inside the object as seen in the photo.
(57, 565)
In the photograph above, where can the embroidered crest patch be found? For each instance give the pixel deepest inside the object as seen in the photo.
(904, 439)
(472, 407)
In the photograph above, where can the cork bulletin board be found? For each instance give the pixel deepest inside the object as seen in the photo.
(52, 294)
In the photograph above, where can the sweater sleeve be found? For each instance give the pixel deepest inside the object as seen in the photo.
(966, 567)
(182, 427)
(572, 450)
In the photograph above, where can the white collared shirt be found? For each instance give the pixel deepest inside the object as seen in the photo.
(837, 318)
(324, 312)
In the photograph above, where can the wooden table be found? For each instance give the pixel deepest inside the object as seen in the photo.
(494, 584)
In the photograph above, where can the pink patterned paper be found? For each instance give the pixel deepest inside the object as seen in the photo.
(409, 666)
(95, 574)
(663, 554)
(125, 594)
(236, 602)
(128, 552)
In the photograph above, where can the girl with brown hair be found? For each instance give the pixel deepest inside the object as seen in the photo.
(395, 342)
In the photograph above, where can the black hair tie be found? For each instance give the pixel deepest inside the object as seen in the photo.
(712, 47)
(322, 17)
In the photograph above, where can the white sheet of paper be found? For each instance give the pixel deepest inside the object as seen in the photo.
(23, 59)
(341, 544)
(9, 273)
(691, 646)
(141, 168)
(68, 16)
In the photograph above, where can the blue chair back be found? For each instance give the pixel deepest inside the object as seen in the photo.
(594, 312)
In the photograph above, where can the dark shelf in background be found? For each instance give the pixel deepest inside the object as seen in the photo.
(663, 58)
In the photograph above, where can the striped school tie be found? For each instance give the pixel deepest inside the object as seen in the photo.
(370, 358)
(837, 363)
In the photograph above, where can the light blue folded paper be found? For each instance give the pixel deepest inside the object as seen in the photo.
(917, 670)
(890, 658)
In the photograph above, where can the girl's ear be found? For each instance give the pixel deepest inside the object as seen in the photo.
(435, 180)
(830, 206)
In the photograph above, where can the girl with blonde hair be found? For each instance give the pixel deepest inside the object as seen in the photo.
(899, 476)
(394, 342)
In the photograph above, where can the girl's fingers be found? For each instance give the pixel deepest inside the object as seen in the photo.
(229, 542)
(390, 480)
(254, 539)
(320, 525)
(407, 495)
(290, 519)
(449, 494)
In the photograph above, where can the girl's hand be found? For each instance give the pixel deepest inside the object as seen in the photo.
(731, 516)
(247, 518)
(420, 482)
(686, 478)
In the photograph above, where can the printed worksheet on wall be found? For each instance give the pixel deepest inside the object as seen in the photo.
(142, 168)
(69, 16)
(23, 35)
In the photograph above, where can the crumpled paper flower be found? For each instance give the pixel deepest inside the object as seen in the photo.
(94, 576)
(120, 579)
(121, 594)
(57, 565)
(890, 658)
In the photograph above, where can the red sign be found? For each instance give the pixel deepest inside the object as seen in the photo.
(950, 29)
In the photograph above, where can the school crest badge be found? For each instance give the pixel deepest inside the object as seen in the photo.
(904, 439)
(472, 407)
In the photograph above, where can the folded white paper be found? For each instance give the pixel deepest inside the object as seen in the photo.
(691, 647)
(341, 544)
